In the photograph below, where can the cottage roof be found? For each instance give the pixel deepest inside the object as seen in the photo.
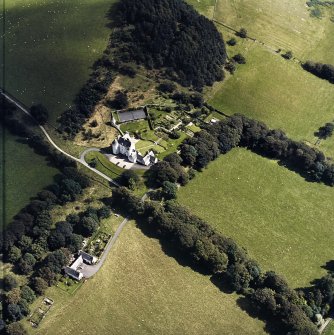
(73, 273)
(86, 257)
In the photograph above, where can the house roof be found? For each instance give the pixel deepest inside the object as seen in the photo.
(124, 142)
(86, 257)
(73, 273)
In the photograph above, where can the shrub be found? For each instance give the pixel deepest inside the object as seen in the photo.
(242, 33)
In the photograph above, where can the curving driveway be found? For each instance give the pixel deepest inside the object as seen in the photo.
(87, 270)
(90, 270)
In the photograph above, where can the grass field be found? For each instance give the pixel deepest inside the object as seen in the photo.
(276, 91)
(282, 25)
(329, 329)
(50, 46)
(140, 290)
(269, 88)
(26, 175)
(285, 223)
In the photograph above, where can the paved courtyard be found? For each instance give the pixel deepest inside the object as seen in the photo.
(123, 163)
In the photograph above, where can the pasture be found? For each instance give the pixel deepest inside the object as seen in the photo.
(284, 222)
(26, 173)
(140, 290)
(276, 91)
(50, 47)
(282, 25)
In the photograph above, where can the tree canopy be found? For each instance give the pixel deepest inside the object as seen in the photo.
(169, 34)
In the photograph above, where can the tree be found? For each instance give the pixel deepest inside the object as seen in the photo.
(27, 294)
(325, 131)
(120, 100)
(74, 242)
(130, 179)
(232, 41)
(264, 299)
(9, 282)
(13, 296)
(288, 55)
(166, 87)
(14, 254)
(39, 285)
(162, 171)
(104, 212)
(70, 189)
(16, 328)
(25, 243)
(14, 312)
(88, 226)
(39, 113)
(239, 58)
(230, 66)
(169, 190)
(242, 33)
(27, 263)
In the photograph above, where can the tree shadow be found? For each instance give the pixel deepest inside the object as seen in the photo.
(271, 325)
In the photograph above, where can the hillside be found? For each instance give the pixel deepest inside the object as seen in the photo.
(170, 34)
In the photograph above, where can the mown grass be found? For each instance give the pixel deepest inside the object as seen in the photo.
(140, 290)
(26, 173)
(50, 47)
(284, 222)
(104, 165)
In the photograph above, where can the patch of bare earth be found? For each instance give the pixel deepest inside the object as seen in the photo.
(98, 131)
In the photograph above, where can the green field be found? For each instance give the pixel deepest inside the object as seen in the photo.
(268, 87)
(140, 290)
(284, 222)
(26, 174)
(276, 91)
(104, 165)
(282, 24)
(50, 46)
(329, 329)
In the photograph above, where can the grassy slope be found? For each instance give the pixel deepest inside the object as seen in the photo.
(281, 24)
(283, 221)
(140, 290)
(50, 46)
(275, 91)
(26, 174)
(268, 87)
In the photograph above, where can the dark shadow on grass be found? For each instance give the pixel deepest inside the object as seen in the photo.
(271, 325)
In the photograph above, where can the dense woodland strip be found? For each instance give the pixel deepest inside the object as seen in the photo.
(202, 247)
(239, 130)
(323, 71)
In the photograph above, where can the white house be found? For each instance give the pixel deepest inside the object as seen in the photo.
(125, 145)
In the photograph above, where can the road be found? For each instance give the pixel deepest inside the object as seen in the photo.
(88, 270)
(80, 160)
